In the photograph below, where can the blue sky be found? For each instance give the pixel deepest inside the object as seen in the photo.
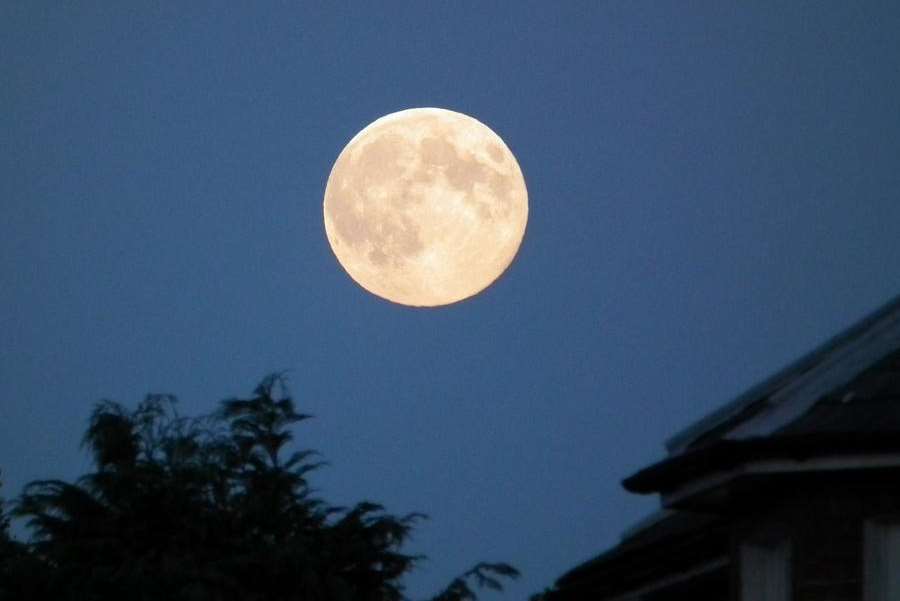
(713, 191)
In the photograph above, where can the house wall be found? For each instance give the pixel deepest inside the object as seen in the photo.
(815, 523)
(823, 519)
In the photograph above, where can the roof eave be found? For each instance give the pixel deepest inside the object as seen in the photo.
(727, 455)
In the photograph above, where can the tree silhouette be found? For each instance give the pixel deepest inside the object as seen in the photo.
(208, 508)
(8, 548)
(4, 523)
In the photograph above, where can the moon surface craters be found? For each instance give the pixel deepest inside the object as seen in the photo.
(425, 207)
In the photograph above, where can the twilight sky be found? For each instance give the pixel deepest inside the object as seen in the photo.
(714, 190)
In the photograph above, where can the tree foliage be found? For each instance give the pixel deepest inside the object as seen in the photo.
(209, 508)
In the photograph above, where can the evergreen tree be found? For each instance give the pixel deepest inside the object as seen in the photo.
(210, 508)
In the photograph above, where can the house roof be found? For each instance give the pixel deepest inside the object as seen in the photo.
(840, 398)
(667, 543)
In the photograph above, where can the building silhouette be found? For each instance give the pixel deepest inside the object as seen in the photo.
(789, 492)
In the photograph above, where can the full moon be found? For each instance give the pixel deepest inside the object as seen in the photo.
(425, 207)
